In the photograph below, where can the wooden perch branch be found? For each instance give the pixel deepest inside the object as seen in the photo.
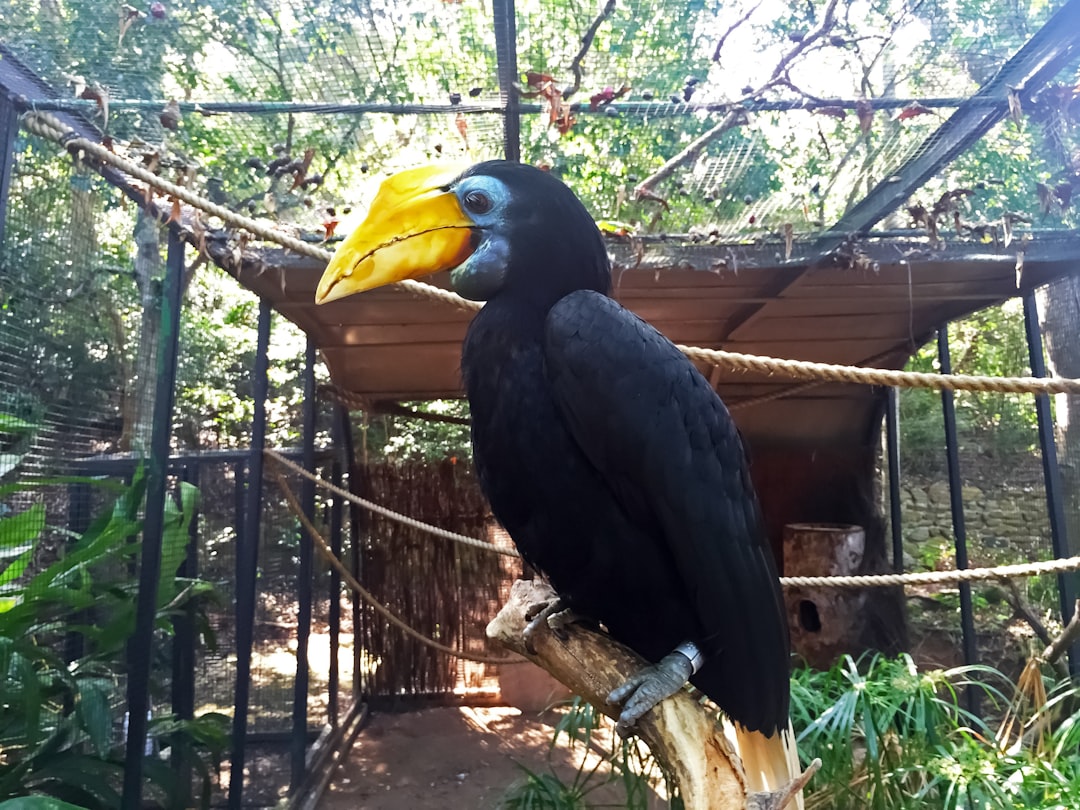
(683, 735)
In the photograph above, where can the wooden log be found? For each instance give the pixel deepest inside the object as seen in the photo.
(683, 734)
(825, 623)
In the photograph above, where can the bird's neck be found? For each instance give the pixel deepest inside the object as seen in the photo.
(515, 318)
(502, 357)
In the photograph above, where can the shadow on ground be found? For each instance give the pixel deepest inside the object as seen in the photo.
(451, 758)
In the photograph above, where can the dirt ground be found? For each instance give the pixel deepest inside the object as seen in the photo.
(447, 758)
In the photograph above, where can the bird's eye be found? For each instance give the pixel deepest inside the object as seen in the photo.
(477, 201)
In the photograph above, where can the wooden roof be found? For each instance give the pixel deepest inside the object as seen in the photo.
(871, 306)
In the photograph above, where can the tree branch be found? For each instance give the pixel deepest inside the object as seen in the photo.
(737, 115)
(828, 20)
(644, 189)
(683, 735)
(1022, 610)
(731, 29)
(1065, 640)
(586, 43)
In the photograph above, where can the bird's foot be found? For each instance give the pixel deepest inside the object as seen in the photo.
(648, 687)
(554, 614)
(560, 620)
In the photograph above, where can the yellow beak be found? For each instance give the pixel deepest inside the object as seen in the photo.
(415, 227)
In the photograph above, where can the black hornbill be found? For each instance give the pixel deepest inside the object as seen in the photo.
(609, 459)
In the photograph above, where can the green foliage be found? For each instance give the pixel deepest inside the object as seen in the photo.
(402, 438)
(621, 775)
(37, 803)
(889, 738)
(990, 342)
(892, 737)
(70, 295)
(59, 718)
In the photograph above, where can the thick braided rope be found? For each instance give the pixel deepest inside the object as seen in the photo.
(371, 506)
(858, 581)
(50, 127)
(807, 370)
(365, 594)
(936, 577)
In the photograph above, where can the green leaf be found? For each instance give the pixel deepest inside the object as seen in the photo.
(38, 803)
(13, 424)
(94, 713)
(162, 775)
(106, 541)
(18, 532)
(88, 775)
(175, 539)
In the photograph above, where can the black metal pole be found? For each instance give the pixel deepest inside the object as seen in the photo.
(183, 657)
(505, 20)
(956, 503)
(9, 128)
(298, 748)
(141, 643)
(336, 522)
(355, 519)
(239, 496)
(892, 442)
(79, 508)
(1059, 536)
(247, 560)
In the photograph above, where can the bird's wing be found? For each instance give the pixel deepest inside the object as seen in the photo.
(664, 442)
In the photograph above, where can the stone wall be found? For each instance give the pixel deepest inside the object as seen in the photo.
(1005, 516)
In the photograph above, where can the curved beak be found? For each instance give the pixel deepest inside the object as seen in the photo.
(415, 227)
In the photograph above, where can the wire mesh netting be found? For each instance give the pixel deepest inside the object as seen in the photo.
(82, 277)
(1002, 514)
(786, 117)
(809, 106)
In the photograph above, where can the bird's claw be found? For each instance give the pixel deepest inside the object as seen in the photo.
(560, 620)
(648, 687)
(553, 613)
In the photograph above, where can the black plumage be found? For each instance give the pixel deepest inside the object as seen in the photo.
(614, 465)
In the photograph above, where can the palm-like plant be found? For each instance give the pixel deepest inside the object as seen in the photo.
(892, 737)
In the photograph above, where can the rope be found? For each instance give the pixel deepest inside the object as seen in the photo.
(807, 370)
(859, 581)
(49, 126)
(351, 581)
(936, 577)
(371, 506)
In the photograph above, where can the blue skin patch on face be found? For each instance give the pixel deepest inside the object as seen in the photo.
(483, 274)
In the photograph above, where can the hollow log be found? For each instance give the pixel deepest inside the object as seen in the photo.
(683, 734)
(822, 619)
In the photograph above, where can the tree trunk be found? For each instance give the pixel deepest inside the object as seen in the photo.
(1060, 309)
(141, 387)
(81, 247)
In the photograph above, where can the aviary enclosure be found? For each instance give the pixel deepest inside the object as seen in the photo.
(829, 181)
